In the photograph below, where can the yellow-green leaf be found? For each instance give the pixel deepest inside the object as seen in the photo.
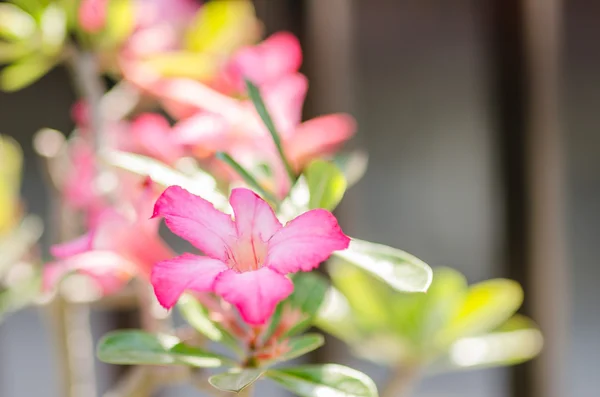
(401, 270)
(326, 184)
(24, 72)
(197, 66)
(15, 24)
(120, 20)
(53, 25)
(516, 341)
(486, 306)
(222, 26)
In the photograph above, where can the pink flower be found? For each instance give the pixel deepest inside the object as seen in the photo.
(160, 25)
(92, 15)
(235, 127)
(247, 258)
(150, 134)
(123, 243)
(265, 63)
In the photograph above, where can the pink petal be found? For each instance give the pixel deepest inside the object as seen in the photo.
(196, 220)
(151, 135)
(92, 15)
(173, 277)
(205, 129)
(319, 136)
(192, 94)
(284, 99)
(255, 293)
(110, 270)
(254, 218)
(277, 56)
(305, 242)
(73, 247)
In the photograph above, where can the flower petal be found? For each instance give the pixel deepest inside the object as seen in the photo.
(275, 57)
(173, 277)
(305, 242)
(254, 218)
(196, 220)
(207, 130)
(319, 136)
(151, 135)
(284, 99)
(73, 247)
(255, 293)
(110, 270)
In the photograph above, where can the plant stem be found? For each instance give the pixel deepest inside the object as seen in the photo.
(247, 392)
(401, 382)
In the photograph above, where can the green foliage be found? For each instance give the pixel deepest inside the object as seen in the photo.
(324, 380)
(32, 36)
(326, 184)
(221, 27)
(198, 317)
(452, 326)
(353, 165)
(235, 380)
(301, 345)
(24, 72)
(399, 269)
(134, 347)
(262, 111)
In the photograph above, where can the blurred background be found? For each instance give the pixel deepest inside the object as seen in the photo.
(481, 121)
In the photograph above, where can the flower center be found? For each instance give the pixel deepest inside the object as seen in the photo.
(248, 254)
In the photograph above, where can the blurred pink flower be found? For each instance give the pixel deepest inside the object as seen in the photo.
(234, 126)
(150, 134)
(265, 63)
(92, 15)
(247, 258)
(123, 243)
(160, 25)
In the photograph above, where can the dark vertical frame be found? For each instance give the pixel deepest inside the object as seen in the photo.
(525, 67)
(508, 91)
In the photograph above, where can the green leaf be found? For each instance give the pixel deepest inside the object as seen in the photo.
(246, 176)
(329, 380)
(20, 293)
(517, 341)
(120, 20)
(300, 345)
(197, 316)
(262, 111)
(369, 299)
(353, 165)
(197, 66)
(24, 72)
(236, 380)
(19, 241)
(134, 347)
(221, 27)
(486, 306)
(53, 25)
(10, 52)
(326, 184)
(15, 24)
(401, 270)
(309, 293)
(336, 318)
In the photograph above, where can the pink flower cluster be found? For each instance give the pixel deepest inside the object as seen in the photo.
(246, 258)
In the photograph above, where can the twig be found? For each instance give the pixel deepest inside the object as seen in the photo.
(136, 383)
(401, 382)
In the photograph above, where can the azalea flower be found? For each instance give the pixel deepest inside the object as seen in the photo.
(123, 243)
(248, 257)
